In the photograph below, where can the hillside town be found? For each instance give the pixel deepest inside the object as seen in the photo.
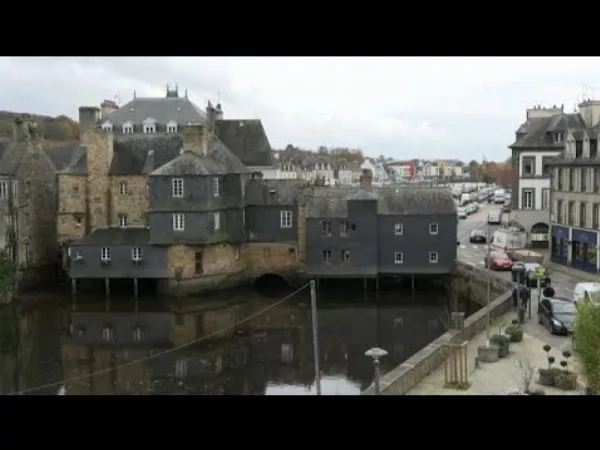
(171, 198)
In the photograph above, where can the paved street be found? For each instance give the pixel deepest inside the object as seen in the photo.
(474, 254)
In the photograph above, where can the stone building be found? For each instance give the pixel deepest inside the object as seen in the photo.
(365, 233)
(165, 199)
(575, 198)
(28, 205)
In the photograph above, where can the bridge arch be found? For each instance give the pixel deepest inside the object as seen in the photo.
(271, 280)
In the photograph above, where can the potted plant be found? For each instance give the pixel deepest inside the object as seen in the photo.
(514, 331)
(566, 379)
(503, 343)
(547, 376)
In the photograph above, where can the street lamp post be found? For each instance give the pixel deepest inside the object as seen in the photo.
(376, 353)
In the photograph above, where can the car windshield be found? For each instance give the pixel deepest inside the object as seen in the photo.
(499, 255)
(563, 308)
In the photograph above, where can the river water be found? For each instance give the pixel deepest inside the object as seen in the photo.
(234, 343)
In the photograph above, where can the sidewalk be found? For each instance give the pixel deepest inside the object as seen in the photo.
(507, 373)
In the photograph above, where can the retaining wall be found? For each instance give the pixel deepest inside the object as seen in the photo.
(413, 370)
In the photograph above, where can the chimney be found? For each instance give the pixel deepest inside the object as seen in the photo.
(108, 107)
(195, 139)
(24, 129)
(88, 117)
(219, 112)
(365, 179)
(211, 115)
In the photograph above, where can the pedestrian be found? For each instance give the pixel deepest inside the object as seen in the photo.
(549, 291)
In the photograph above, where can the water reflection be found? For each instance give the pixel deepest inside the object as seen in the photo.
(139, 348)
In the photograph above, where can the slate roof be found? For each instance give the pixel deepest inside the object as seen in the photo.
(247, 139)
(12, 157)
(412, 201)
(273, 192)
(539, 131)
(162, 110)
(117, 236)
(219, 161)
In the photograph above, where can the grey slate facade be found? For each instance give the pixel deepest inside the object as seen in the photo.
(366, 233)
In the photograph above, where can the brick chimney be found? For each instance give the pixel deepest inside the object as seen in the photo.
(195, 139)
(366, 179)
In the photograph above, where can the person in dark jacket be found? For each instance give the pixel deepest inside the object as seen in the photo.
(549, 291)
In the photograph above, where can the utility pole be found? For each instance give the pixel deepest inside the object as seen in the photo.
(489, 286)
(315, 330)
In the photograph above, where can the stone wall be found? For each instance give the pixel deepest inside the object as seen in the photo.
(99, 157)
(72, 207)
(133, 204)
(413, 370)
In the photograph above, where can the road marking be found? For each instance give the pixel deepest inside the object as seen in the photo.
(476, 247)
(463, 246)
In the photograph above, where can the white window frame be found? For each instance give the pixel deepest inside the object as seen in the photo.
(217, 220)
(177, 187)
(123, 190)
(136, 253)
(434, 228)
(527, 193)
(149, 126)
(216, 184)
(398, 257)
(398, 229)
(107, 126)
(123, 220)
(105, 254)
(172, 127)
(3, 190)
(178, 222)
(285, 219)
(434, 257)
(127, 128)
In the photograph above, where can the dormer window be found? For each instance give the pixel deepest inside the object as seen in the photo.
(172, 127)
(559, 137)
(107, 126)
(216, 187)
(149, 125)
(127, 128)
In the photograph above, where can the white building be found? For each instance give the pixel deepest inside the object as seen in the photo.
(538, 140)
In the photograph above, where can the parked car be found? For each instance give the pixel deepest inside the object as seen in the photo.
(506, 208)
(531, 270)
(471, 208)
(557, 314)
(498, 261)
(461, 212)
(478, 236)
(586, 291)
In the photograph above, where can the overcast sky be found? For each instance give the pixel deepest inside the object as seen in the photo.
(461, 108)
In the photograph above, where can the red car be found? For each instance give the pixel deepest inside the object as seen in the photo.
(498, 261)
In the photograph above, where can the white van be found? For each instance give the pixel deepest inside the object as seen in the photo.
(494, 218)
(464, 199)
(587, 291)
(507, 240)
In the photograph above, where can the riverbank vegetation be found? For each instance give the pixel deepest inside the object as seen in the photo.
(8, 277)
(586, 343)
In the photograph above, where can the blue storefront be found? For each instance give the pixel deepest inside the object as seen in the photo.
(584, 250)
(560, 245)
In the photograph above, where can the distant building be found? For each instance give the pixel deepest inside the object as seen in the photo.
(403, 170)
(370, 232)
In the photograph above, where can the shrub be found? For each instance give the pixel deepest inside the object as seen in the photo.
(587, 346)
